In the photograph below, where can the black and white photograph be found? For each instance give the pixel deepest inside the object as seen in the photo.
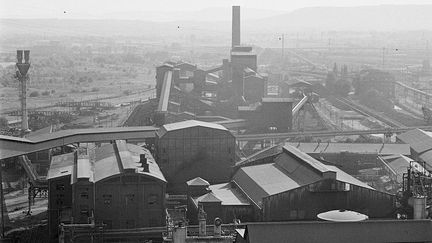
(215, 121)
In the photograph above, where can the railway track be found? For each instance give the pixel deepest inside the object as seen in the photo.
(371, 113)
(17, 111)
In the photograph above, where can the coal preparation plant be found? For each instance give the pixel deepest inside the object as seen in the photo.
(231, 153)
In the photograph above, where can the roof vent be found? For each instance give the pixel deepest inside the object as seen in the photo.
(144, 164)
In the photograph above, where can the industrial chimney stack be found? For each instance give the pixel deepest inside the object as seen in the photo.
(235, 26)
(22, 76)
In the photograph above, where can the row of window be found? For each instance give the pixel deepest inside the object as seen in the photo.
(129, 223)
(152, 199)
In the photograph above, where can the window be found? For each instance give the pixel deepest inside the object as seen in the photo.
(107, 199)
(129, 198)
(84, 210)
(84, 195)
(152, 200)
(60, 187)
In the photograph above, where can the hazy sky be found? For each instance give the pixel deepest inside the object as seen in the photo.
(102, 8)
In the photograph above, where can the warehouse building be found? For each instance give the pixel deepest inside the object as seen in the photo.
(352, 156)
(118, 185)
(293, 186)
(188, 149)
(421, 145)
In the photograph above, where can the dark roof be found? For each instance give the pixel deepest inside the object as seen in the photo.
(337, 232)
(188, 124)
(420, 141)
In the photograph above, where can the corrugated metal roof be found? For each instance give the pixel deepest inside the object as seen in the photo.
(107, 165)
(188, 124)
(198, 181)
(419, 140)
(228, 195)
(290, 170)
(270, 178)
(345, 177)
(209, 197)
(358, 148)
(108, 162)
(264, 153)
(61, 165)
(84, 169)
(305, 158)
(427, 158)
(399, 166)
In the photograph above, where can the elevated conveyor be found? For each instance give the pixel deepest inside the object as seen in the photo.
(14, 146)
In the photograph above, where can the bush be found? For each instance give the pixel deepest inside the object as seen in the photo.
(4, 123)
(94, 89)
(127, 92)
(52, 91)
(46, 93)
(34, 94)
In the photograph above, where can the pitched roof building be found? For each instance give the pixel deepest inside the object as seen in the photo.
(294, 186)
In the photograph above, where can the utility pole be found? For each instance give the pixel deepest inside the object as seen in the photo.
(282, 38)
(22, 76)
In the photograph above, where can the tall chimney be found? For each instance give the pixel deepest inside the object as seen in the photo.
(235, 26)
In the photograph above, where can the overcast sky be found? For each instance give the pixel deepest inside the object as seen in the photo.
(102, 8)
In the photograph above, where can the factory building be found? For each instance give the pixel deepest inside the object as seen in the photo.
(60, 192)
(337, 232)
(188, 149)
(420, 143)
(118, 185)
(352, 156)
(292, 186)
(270, 115)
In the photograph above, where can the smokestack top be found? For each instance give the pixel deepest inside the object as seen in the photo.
(235, 41)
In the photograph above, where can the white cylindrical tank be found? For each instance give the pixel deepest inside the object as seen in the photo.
(217, 227)
(179, 235)
(419, 206)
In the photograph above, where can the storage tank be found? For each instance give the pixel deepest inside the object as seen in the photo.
(419, 206)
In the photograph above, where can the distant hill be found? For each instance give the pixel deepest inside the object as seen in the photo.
(206, 15)
(217, 21)
(384, 17)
